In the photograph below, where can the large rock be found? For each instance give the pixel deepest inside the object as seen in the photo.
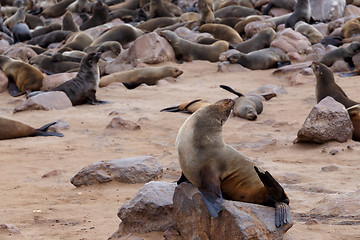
(52, 81)
(237, 220)
(327, 121)
(290, 41)
(351, 10)
(45, 101)
(119, 123)
(151, 49)
(327, 10)
(150, 209)
(128, 170)
(255, 27)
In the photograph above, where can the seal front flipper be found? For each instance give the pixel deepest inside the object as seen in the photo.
(211, 191)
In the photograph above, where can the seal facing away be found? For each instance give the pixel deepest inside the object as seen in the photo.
(326, 86)
(220, 171)
(14, 129)
(82, 88)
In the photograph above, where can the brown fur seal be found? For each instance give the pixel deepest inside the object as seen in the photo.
(326, 86)
(220, 171)
(221, 31)
(159, 22)
(33, 21)
(308, 31)
(235, 11)
(57, 10)
(287, 4)
(188, 51)
(240, 26)
(22, 76)
(53, 64)
(112, 46)
(351, 28)
(259, 41)
(48, 38)
(77, 41)
(82, 88)
(133, 78)
(157, 9)
(13, 129)
(100, 15)
(261, 59)
(68, 23)
(302, 12)
(80, 6)
(344, 53)
(44, 30)
(122, 33)
(206, 10)
(354, 113)
(188, 107)
(19, 16)
(127, 4)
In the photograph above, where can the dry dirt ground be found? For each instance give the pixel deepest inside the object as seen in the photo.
(52, 208)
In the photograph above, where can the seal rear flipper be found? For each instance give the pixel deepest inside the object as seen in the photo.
(350, 63)
(42, 131)
(182, 179)
(272, 186)
(14, 90)
(282, 214)
(281, 64)
(211, 191)
(231, 90)
(171, 109)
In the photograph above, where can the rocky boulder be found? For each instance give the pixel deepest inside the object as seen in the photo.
(290, 41)
(52, 81)
(327, 121)
(327, 10)
(128, 170)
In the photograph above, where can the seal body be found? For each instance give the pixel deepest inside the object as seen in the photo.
(123, 34)
(302, 12)
(222, 32)
(259, 41)
(219, 170)
(354, 113)
(326, 86)
(308, 31)
(21, 32)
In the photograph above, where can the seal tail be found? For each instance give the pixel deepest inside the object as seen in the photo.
(279, 199)
(180, 108)
(42, 131)
(231, 90)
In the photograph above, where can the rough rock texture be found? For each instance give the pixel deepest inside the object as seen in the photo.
(327, 10)
(60, 124)
(237, 220)
(45, 101)
(226, 66)
(351, 10)
(20, 51)
(290, 41)
(119, 123)
(52, 81)
(151, 49)
(4, 81)
(129, 170)
(327, 121)
(150, 209)
(189, 35)
(10, 228)
(253, 28)
(269, 88)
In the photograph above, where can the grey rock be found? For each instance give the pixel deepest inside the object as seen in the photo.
(327, 10)
(45, 101)
(327, 121)
(52, 81)
(119, 123)
(290, 41)
(10, 228)
(128, 170)
(255, 27)
(237, 220)
(268, 88)
(59, 125)
(150, 209)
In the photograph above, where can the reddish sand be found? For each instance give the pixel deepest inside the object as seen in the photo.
(52, 208)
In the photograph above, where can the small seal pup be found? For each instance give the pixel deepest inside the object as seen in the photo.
(13, 129)
(302, 12)
(326, 86)
(82, 88)
(219, 170)
(344, 53)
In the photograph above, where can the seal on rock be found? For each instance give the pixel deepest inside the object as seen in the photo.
(219, 170)
(13, 129)
(326, 86)
(221, 31)
(259, 41)
(302, 12)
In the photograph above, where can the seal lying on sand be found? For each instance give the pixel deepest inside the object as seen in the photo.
(219, 170)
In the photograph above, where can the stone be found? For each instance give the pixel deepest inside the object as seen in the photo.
(226, 66)
(237, 220)
(295, 57)
(128, 170)
(189, 35)
(20, 51)
(52, 81)
(277, 12)
(351, 10)
(330, 168)
(4, 81)
(290, 41)
(59, 125)
(10, 228)
(151, 49)
(327, 121)
(327, 10)
(255, 27)
(269, 88)
(323, 28)
(150, 209)
(119, 123)
(52, 173)
(45, 101)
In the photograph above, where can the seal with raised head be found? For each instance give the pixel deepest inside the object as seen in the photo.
(344, 53)
(261, 59)
(187, 51)
(13, 129)
(219, 170)
(22, 76)
(82, 88)
(206, 9)
(68, 23)
(19, 16)
(302, 12)
(100, 15)
(326, 86)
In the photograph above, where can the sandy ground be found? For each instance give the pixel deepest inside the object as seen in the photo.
(52, 208)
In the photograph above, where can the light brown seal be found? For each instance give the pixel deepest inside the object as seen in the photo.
(22, 76)
(19, 16)
(188, 107)
(344, 53)
(187, 51)
(220, 171)
(259, 41)
(222, 32)
(13, 129)
(354, 113)
(57, 10)
(134, 78)
(159, 22)
(326, 86)
(351, 28)
(77, 41)
(261, 59)
(302, 12)
(206, 10)
(235, 11)
(309, 31)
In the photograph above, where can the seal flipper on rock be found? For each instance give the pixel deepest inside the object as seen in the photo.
(278, 198)
(13, 89)
(43, 131)
(182, 179)
(211, 190)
